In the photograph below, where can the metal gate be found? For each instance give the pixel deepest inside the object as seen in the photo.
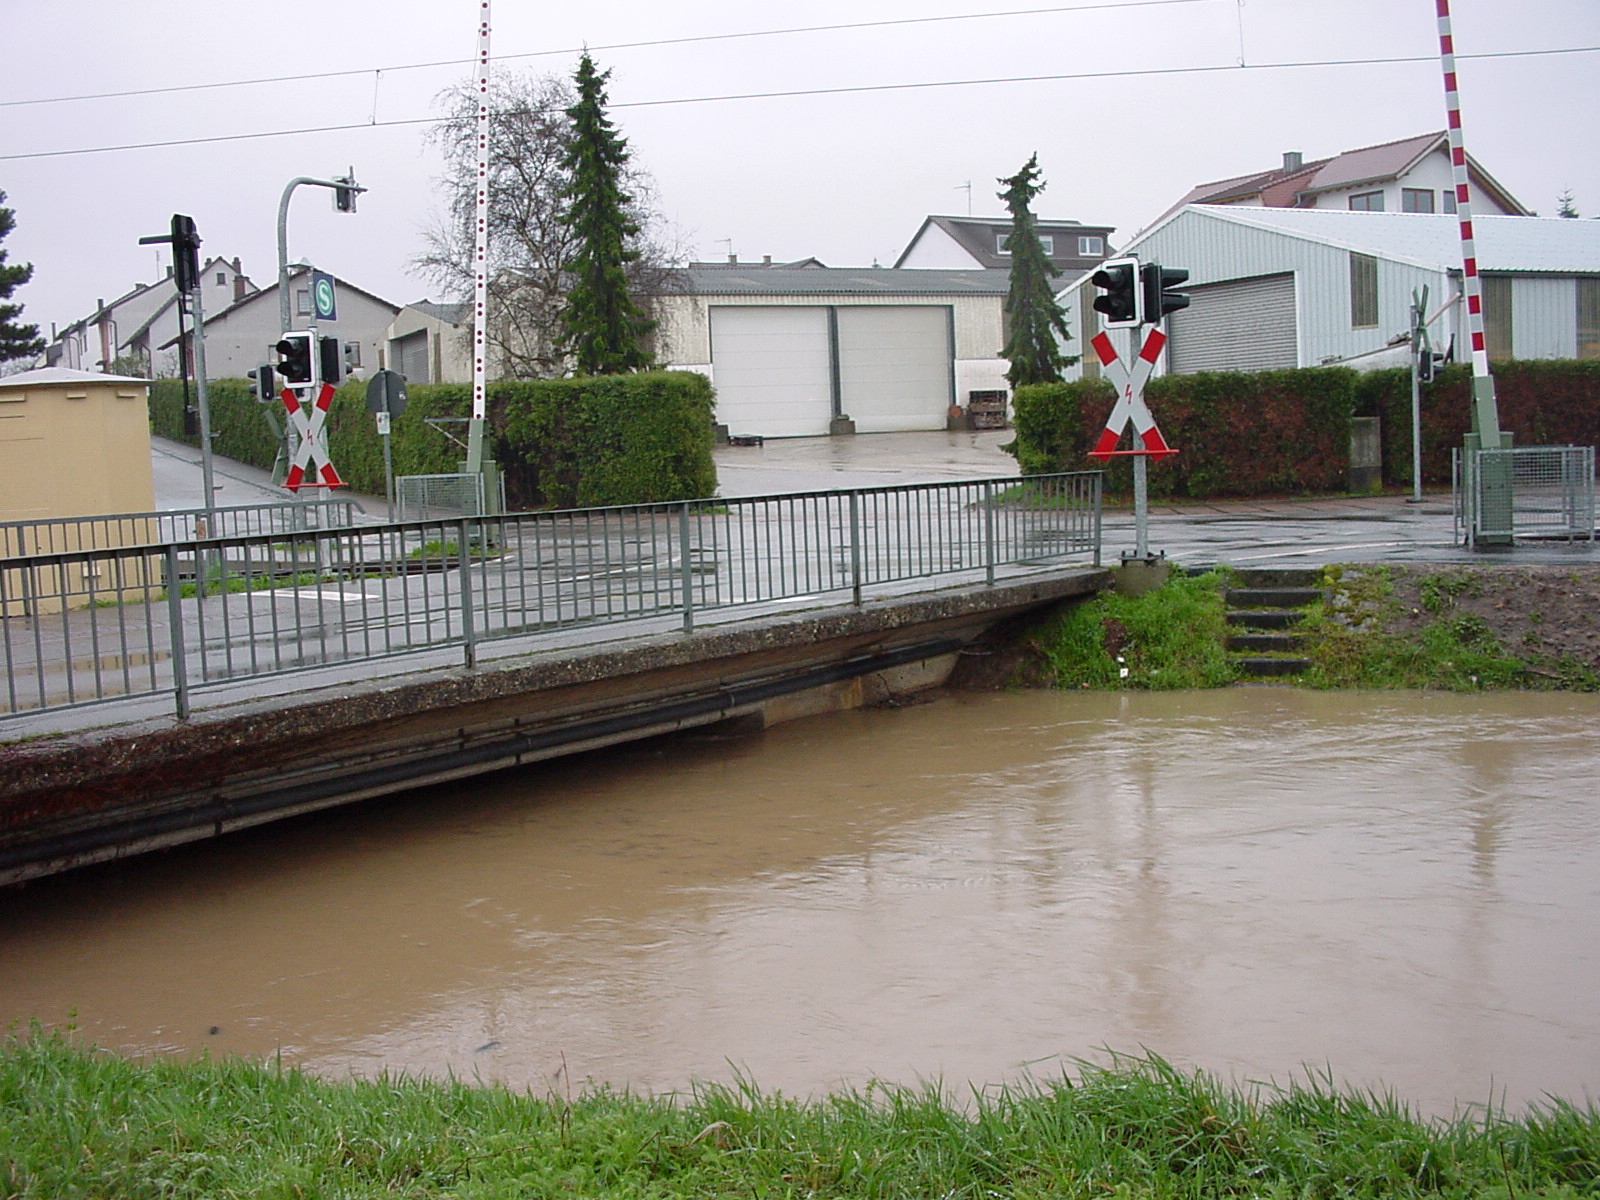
(1527, 491)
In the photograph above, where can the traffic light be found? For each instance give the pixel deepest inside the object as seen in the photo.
(345, 191)
(263, 383)
(1428, 364)
(294, 359)
(331, 360)
(1157, 283)
(185, 253)
(1121, 303)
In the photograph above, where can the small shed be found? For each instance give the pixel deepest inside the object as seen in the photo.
(73, 444)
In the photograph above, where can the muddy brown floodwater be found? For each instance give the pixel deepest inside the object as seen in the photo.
(1400, 888)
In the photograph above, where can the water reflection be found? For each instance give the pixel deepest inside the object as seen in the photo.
(1250, 880)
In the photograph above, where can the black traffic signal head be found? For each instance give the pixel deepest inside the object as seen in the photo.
(1156, 282)
(1429, 363)
(294, 358)
(263, 383)
(346, 191)
(185, 253)
(1121, 302)
(330, 360)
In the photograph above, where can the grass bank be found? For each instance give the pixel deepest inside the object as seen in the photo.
(77, 1122)
(1456, 628)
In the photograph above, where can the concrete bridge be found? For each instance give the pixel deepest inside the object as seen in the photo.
(323, 666)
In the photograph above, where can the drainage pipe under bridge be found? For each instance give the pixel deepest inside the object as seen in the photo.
(87, 797)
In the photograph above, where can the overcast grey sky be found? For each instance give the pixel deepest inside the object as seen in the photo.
(846, 177)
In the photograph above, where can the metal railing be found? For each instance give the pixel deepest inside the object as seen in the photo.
(85, 627)
(67, 534)
(1523, 492)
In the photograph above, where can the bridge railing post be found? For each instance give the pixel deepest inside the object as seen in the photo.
(685, 567)
(175, 646)
(468, 628)
(855, 548)
(988, 532)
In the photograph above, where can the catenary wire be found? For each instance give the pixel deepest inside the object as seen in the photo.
(676, 41)
(859, 89)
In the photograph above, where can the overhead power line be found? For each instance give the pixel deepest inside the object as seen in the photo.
(1143, 72)
(676, 41)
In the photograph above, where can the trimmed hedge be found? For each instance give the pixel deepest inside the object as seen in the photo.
(1543, 402)
(1286, 432)
(1273, 432)
(561, 443)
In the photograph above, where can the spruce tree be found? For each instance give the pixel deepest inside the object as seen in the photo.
(16, 340)
(1032, 313)
(604, 329)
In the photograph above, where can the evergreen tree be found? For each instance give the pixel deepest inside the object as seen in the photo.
(604, 329)
(1033, 316)
(16, 340)
(1566, 208)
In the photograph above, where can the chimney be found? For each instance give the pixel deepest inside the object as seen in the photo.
(733, 258)
(237, 269)
(1292, 160)
(766, 260)
(240, 283)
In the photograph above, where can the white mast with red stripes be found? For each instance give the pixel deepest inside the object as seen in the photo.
(1485, 412)
(480, 255)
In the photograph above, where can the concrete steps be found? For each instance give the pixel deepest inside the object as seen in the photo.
(1265, 608)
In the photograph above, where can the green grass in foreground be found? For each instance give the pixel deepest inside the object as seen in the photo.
(1171, 637)
(78, 1122)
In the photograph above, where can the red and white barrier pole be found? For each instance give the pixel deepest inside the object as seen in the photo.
(1485, 412)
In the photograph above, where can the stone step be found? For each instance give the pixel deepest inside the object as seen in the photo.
(1272, 597)
(1267, 643)
(1265, 618)
(1266, 667)
(1299, 577)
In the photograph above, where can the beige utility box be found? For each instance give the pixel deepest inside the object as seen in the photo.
(73, 444)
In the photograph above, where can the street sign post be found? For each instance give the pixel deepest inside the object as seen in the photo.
(1130, 407)
(386, 399)
(324, 300)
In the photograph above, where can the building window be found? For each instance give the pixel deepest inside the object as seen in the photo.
(352, 354)
(1091, 247)
(1367, 202)
(1588, 318)
(1002, 243)
(302, 302)
(1363, 291)
(1497, 316)
(222, 279)
(1449, 195)
(1416, 200)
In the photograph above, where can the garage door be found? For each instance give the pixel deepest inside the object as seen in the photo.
(1241, 325)
(894, 367)
(771, 370)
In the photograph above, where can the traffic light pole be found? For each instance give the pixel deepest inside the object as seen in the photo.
(207, 478)
(1141, 472)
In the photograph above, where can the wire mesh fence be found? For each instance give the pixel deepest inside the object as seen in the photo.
(1523, 492)
(430, 497)
(88, 626)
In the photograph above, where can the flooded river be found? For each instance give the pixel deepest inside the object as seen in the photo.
(1404, 889)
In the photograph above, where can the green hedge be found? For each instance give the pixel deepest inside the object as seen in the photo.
(1554, 402)
(562, 443)
(1283, 432)
(1273, 432)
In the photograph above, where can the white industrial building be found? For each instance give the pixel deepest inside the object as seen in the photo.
(1275, 288)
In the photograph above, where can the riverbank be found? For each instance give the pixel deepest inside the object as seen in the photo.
(1456, 627)
(78, 1121)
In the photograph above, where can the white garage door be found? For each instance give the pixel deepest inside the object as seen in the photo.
(770, 368)
(894, 367)
(1241, 325)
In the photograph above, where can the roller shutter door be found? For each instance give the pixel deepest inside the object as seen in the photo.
(1241, 325)
(771, 370)
(409, 356)
(895, 366)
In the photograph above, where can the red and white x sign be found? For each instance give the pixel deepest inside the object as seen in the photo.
(312, 450)
(1130, 405)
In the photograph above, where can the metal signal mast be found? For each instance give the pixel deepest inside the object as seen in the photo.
(480, 256)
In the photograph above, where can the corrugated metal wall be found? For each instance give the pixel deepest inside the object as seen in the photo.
(1243, 325)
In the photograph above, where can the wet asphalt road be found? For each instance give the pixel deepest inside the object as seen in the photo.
(1283, 532)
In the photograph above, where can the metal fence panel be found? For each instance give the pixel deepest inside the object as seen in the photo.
(431, 497)
(97, 624)
(1525, 491)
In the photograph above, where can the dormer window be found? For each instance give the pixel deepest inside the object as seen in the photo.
(1002, 243)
